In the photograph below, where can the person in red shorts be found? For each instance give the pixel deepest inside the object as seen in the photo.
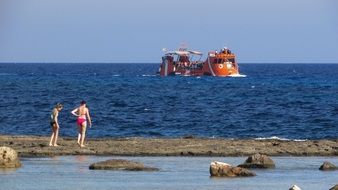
(82, 114)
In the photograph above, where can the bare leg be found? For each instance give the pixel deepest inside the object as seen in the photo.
(56, 136)
(83, 133)
(82, 140)
(79, 139)
(51, 139)
(53, 136)
(79, 135)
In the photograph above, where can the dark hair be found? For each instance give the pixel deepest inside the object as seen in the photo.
(83, 102)
(58, 105)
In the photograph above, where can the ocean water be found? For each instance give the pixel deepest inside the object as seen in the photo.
(289, 101)
(184, 173)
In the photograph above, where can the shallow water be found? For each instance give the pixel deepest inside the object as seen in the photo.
(72, 173)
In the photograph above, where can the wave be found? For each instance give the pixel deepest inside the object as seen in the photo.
(8, 74)
(280, 139)
(237, 75)
(149, 75)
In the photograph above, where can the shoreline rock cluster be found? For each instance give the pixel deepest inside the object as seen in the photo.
(257, 161)
(32, 146)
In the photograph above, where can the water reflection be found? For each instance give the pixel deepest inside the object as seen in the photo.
(7, 171)
(81, 158)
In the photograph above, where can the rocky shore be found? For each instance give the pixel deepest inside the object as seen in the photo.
(31, 146)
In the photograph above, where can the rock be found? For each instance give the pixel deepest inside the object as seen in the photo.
(335, 187)
(189, 137)
(258, 161)
(328, 166)
(118, 164)
(220, 169)
(295, 187)
(9, 158)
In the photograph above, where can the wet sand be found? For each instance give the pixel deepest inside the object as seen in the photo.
(35, 146)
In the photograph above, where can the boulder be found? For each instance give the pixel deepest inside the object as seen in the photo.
(9, 158)
(220, 169)
(335, 187)
(118, 164)
(258, 161)
(328, 166)
(295, 187)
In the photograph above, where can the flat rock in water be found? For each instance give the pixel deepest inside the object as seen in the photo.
(220, 169)
(328, 166)
(118, 164)
(9, 158)
(335, 187)
(258, 161)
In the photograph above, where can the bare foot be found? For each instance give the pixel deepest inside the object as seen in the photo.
(50, 145)
(82, 146)
(55, 145)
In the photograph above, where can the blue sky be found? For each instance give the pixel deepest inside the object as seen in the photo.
(121, 31)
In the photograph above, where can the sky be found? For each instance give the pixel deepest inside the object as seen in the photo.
(122, 31)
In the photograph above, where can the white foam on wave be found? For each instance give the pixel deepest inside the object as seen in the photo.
(149, 75)
(280, 139)
(237, 75)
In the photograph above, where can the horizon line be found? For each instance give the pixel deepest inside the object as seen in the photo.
(160, 63)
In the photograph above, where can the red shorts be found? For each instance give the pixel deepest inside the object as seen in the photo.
(80, 121)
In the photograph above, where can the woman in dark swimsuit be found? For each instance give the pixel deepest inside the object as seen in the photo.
(55, 124)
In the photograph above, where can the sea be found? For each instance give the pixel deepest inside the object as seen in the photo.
(278, 101)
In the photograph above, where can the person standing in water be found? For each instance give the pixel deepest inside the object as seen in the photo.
(82, 114)
(55, 124)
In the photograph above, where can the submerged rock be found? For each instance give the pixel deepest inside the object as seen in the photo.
(328, 166)
(118, 164)
(335, 187)
(9, 158)
(295, 187)
(220, 169)
(258, 161)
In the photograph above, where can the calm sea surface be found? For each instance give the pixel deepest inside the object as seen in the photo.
(69, 173)
(292, 101)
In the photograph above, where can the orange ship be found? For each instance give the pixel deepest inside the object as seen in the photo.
(188, 63)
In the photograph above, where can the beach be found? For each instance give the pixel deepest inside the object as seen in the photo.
(37, 146)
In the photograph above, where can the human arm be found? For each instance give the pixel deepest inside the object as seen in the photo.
(74, 112)
(88, 117)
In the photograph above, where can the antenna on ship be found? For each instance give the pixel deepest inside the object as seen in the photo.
(183, 46)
